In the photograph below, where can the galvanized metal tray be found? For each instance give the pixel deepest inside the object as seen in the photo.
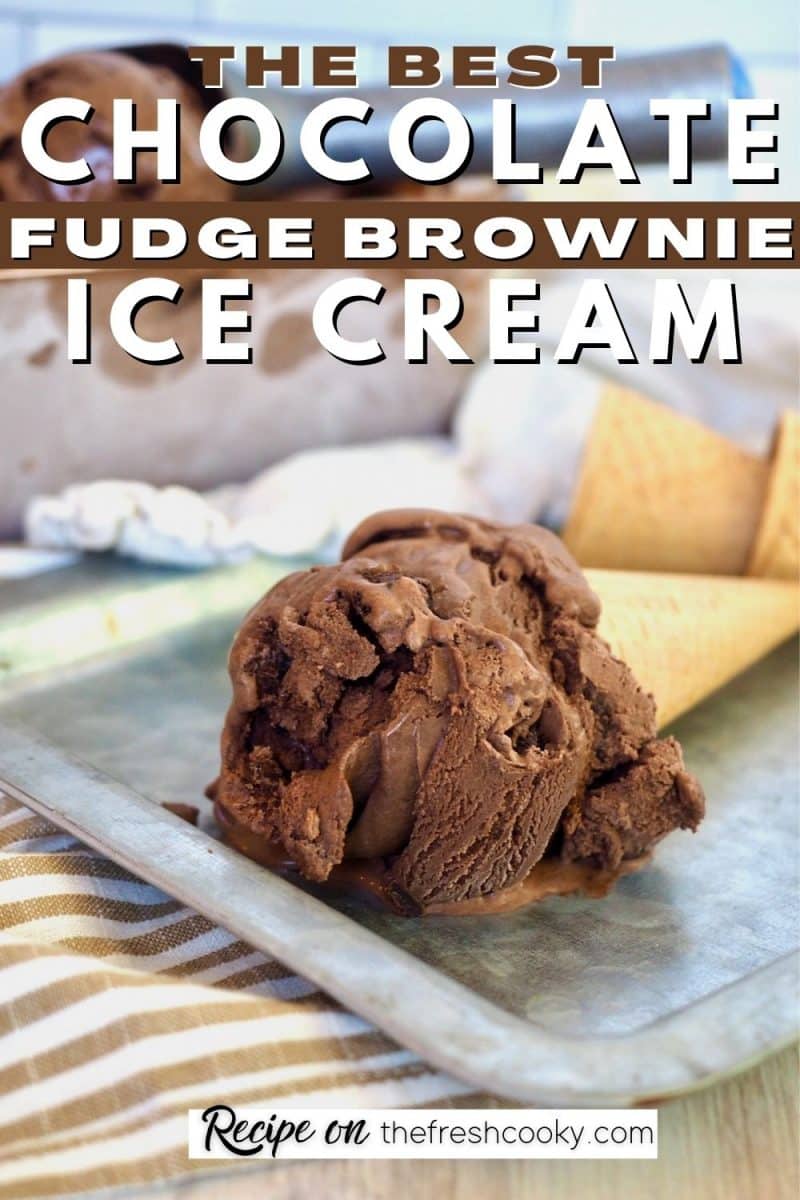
(112, 691)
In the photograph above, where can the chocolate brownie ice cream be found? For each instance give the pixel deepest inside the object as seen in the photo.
(436, 717)
(99, 78)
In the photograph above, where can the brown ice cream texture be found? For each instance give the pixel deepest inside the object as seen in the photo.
(436, 718)
(100, 77)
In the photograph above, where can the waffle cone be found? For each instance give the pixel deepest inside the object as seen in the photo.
(684, 636)
(776, 550)
(658, 491)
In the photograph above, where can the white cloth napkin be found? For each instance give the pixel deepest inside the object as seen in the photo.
(513, 454)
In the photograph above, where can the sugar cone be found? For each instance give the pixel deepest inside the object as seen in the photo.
(683, 636)
(776, 550)
(660, 492)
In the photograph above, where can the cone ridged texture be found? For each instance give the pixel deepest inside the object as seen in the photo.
(684, 636)
(776, 552)
(660, 492)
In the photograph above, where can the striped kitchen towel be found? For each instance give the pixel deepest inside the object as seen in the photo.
(120, 1009)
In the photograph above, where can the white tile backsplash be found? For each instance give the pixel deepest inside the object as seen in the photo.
(761, 34)
(131, 11)
(57, 37)
(10, 49)
(752, 30)
(463, 21)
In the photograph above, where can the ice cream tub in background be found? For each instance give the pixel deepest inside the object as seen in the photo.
(190, 422)
(198, 423)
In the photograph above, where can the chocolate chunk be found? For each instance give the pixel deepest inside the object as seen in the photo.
(186, 812)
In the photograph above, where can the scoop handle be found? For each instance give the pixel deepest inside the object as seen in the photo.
(545, 116)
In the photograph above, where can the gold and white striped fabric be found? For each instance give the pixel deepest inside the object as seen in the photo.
(120, 1009)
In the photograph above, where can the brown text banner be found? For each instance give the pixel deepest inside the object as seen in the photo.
(410, 235)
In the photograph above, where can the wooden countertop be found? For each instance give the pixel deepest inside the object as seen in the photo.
(735, 1141)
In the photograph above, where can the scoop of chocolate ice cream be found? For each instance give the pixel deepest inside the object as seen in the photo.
(99, 78)
(439, 708)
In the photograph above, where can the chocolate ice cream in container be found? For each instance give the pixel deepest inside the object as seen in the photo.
(337, 405)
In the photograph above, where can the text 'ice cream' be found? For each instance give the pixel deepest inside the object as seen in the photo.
(436, 718)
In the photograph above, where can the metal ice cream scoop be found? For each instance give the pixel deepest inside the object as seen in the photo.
(545, 116)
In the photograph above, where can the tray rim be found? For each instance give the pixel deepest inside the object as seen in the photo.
(467, 1035)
